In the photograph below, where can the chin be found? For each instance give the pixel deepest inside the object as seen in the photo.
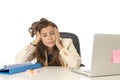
(50, 46)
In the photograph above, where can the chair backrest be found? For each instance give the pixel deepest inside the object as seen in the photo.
(74, 38)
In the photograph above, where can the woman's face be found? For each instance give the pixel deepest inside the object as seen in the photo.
(48, 36)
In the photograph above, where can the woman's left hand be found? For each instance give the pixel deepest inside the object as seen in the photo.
(57, 36)
(58, 44)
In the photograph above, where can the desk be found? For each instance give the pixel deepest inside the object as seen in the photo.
(54, 73)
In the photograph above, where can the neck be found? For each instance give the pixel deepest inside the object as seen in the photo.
(50, 50)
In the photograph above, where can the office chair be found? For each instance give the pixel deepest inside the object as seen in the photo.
(75, 40)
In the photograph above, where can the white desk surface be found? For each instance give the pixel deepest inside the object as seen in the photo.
(54, 73)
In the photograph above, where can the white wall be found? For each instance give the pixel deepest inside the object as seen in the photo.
(83, 17)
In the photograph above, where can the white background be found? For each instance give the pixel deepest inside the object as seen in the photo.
(82, 17)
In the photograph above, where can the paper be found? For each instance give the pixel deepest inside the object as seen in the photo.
(116, 56)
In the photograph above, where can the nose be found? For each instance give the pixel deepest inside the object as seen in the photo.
(49, 37)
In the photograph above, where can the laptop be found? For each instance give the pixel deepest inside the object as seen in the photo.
(105, 56)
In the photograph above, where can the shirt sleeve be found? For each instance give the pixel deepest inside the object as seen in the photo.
(70, 55)
(25, 55)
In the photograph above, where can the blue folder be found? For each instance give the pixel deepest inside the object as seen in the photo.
(16, 68)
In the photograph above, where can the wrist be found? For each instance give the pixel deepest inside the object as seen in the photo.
(33, 44)
(59, 46)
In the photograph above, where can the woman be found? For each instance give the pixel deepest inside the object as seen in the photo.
(48, 48)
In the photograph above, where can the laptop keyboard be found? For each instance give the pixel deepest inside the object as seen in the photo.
(88, 71)
(83, 69)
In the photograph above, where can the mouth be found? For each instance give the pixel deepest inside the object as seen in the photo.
(51, 42)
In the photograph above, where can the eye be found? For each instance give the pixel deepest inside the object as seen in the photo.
(44, 35)
(52, 33)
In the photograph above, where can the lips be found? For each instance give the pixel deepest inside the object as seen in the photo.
(51, 42)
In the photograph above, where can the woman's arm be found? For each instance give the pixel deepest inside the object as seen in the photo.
(25, 55)
(69, 54)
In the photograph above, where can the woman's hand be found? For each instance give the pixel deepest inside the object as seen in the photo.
(57, 36)
(37, 38)
(58, 44)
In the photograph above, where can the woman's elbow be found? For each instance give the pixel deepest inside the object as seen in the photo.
(75, 64)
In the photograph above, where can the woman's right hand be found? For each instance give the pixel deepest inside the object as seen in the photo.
(37, 38)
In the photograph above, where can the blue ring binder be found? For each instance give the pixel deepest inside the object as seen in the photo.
(16, 68)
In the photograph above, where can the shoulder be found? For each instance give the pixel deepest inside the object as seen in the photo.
(66, 41)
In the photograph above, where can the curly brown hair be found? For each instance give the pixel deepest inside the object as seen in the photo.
(41, 49)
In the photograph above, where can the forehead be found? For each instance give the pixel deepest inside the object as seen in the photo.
(47, 29)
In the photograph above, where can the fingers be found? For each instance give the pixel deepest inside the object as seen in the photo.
(57, 36)
(57, 33)
(38, 37)
(37, 33)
